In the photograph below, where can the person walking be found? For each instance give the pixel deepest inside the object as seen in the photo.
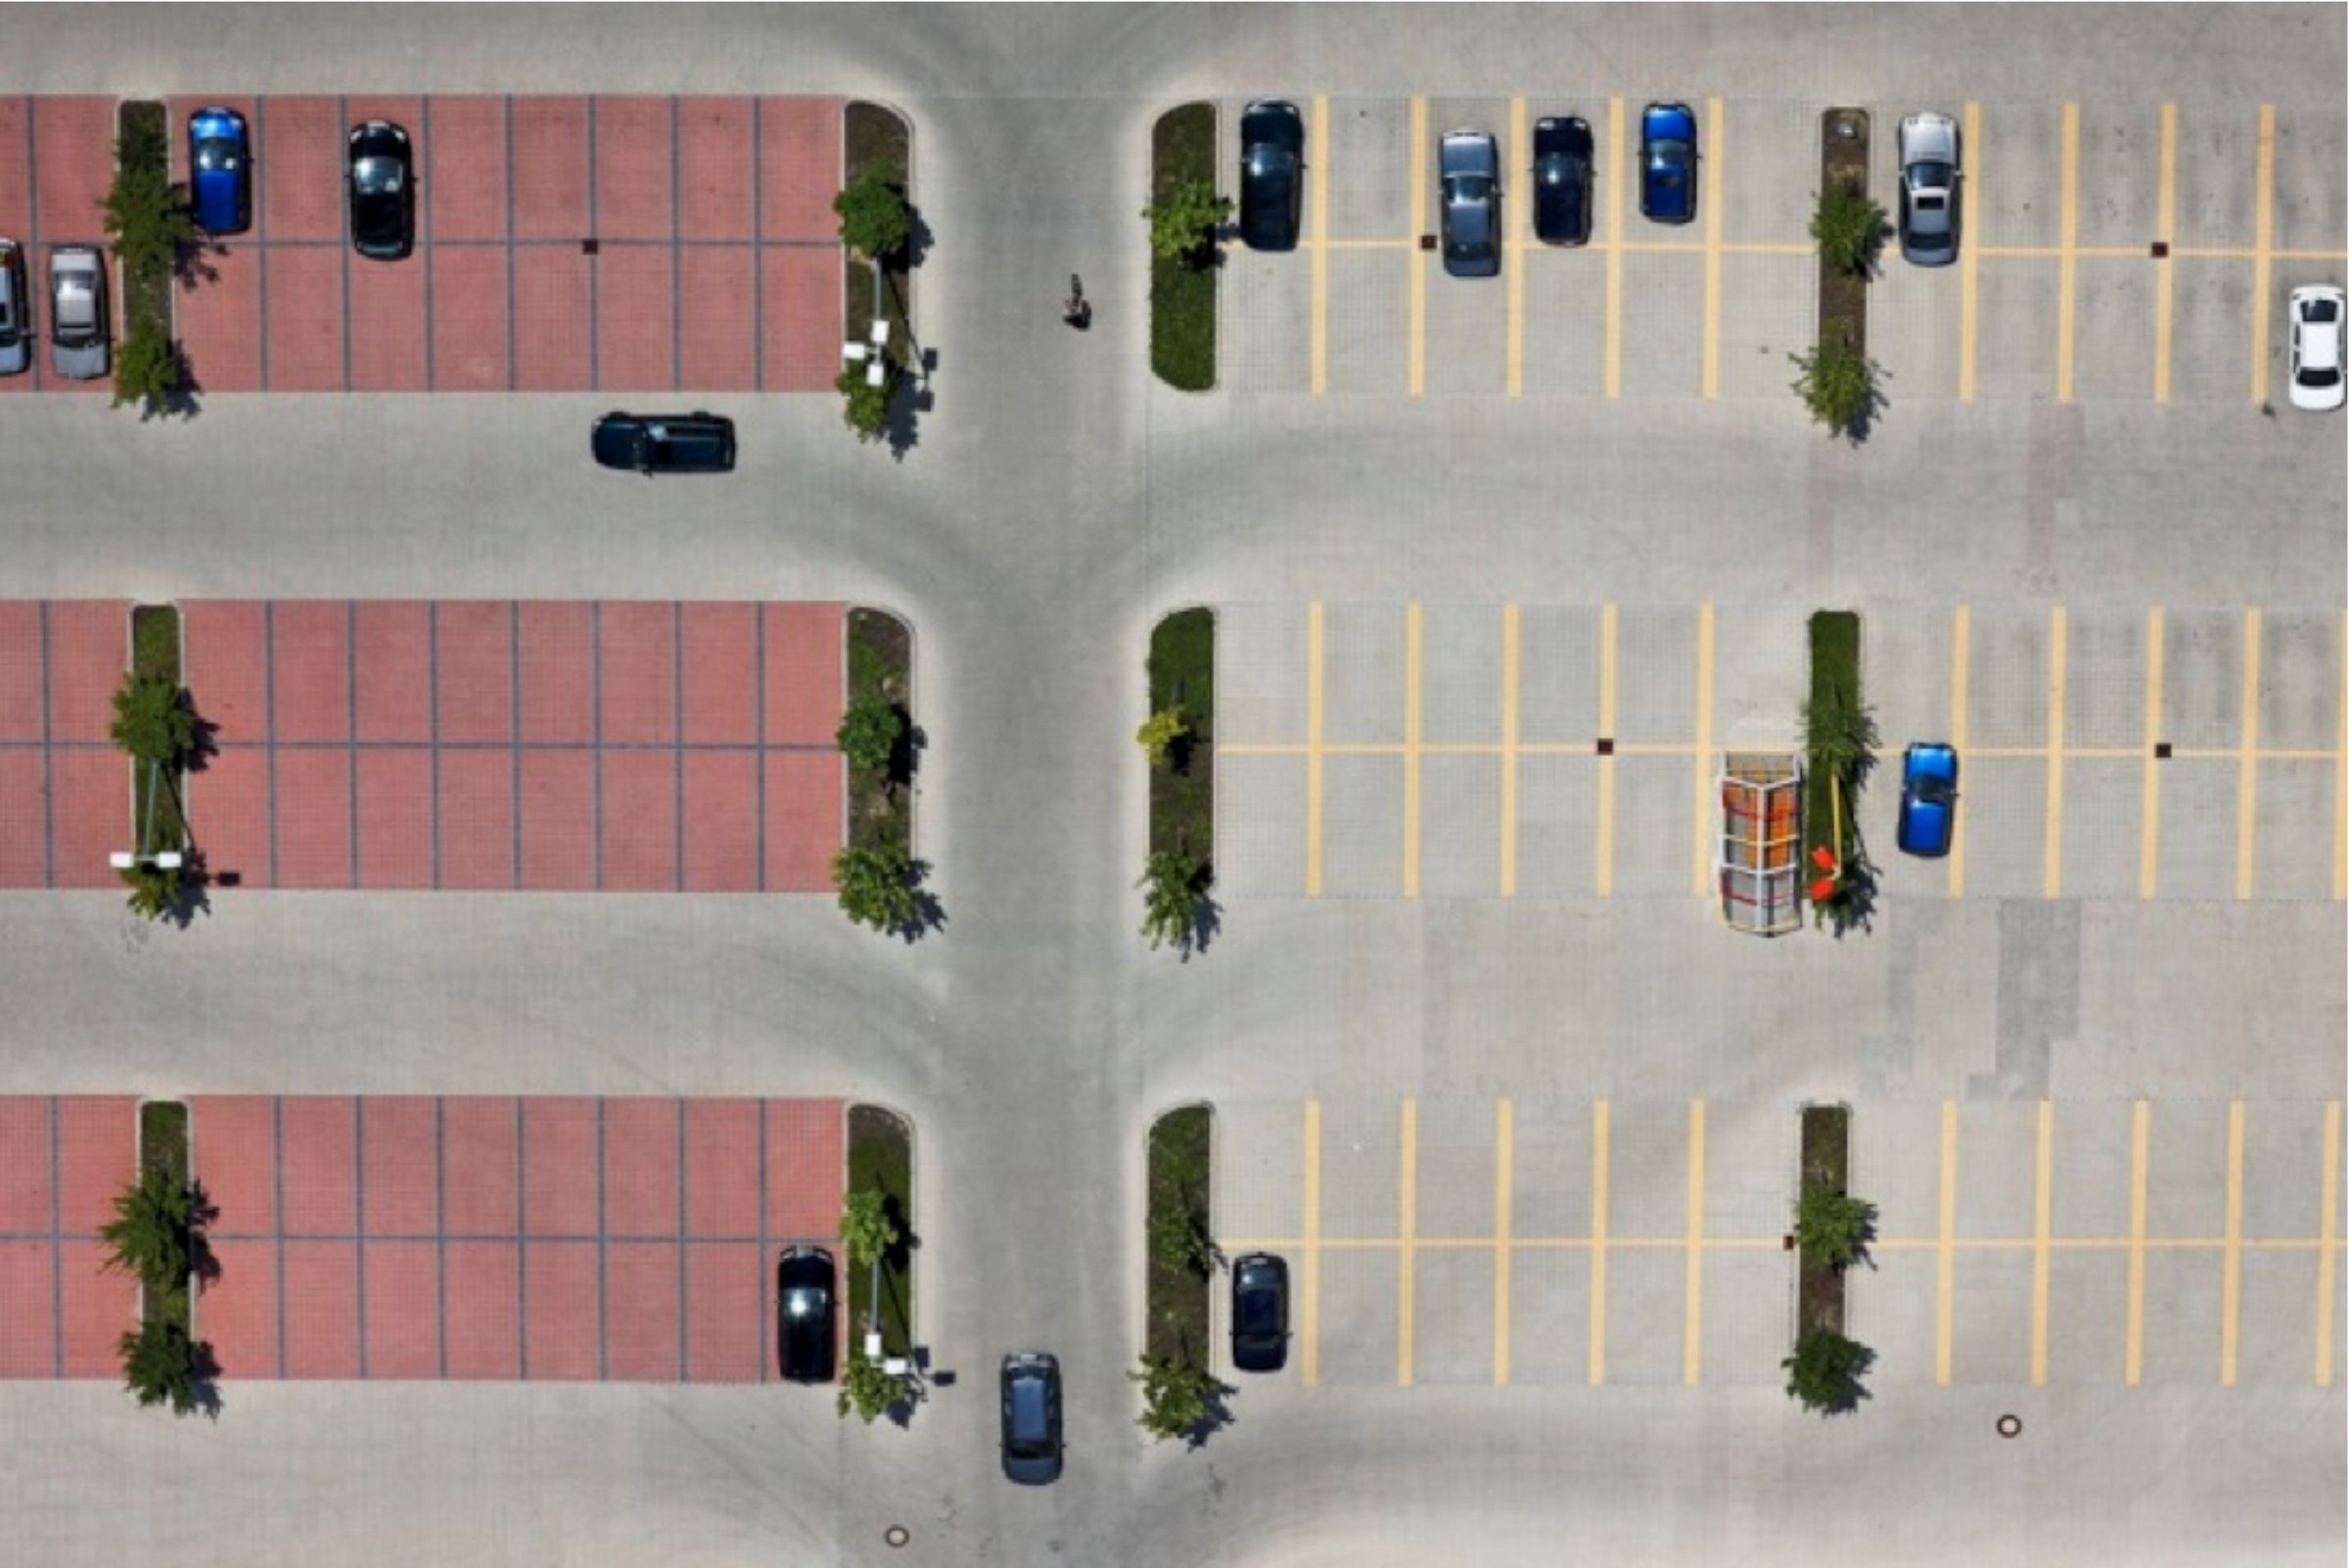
(1077, 310)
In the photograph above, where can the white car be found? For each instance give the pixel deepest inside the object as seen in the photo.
(78, 339)
(1929, 190)
(2316, 347)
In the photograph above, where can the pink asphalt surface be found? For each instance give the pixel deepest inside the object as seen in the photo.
(65, 791)
(57, 163)
(63, 1158)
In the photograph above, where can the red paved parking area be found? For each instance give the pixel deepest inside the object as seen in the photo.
(562, 244)
(63, 1158)
(57, 161)
(65, 791)
(497, 744)
(496, 1238)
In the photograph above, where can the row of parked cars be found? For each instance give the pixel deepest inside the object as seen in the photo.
(379, 178)
(77, 332)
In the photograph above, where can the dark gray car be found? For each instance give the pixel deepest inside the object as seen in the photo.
(1469, 162)
(1271, 174)
(1562, 180)
(665, 444)
(1260, 1313)
(1032, 1418)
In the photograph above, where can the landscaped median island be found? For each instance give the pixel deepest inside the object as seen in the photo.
(878, 878)
(877, 254)
(1831, 1231)
(1838, 380)
(1839, 732)
(156, 728)
(1185, 215)
(1179, 739)
(152, 230)
(1181, 1396)
(877, 1223)
(157, 1236)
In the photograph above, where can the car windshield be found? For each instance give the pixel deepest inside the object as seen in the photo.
(1933, 791)
(1553, 170)
(804, 1302)
(1931, 176)
(216, 152)
(1257, 1312)
(378, 176)
(1667, 150)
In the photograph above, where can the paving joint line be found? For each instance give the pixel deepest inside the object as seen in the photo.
(440, 1225)
(56, 1239)
(522, 1247)
(277, 1173)
(603, 1355)
(358, 1216)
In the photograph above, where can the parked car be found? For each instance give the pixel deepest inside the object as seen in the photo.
(1928, 151)
(1666, 162)
(1562, 181)
(383, 191)
(1260, 1313)
(1032, 1418)
(16, 313)
(665, 444)
(220, 171)
(1469, 162)
(1928, 798)
(2316, 347)
(1272, 178)
(78, 339)
(804, 1315)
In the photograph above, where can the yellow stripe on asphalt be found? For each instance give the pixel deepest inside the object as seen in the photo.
(2230, 1293)
(2328, 1227)
(1318, 169)
(1508, 750)
(2165, 271)
(1413, 643)
(1418, 226)
(1968, 283)
(2133, 1354)
(1313, 750)
(1309, 1298)
(2263, 238)
(2051, 879)
(2149, 855)
(1712, 142)
(1603, 867)
(1692, 1336)
(1505, 1136)
(1615, 237)
(1519, 252)
(1407, 1267)
(1598, 1241)
(2067, 262)
(2246, 795)
(1703, 835)
(1945, 1274)
(2043, 1211)
(1960, 631)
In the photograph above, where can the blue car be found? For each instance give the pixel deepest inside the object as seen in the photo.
(1667, 164)
(1928, 798)
(220, 170)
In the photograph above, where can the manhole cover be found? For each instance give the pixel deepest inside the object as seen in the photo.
(896, 1534)
(2010, 1426)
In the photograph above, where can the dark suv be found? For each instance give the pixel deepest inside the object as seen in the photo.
(1260, 1313)
(666, 444)
(1032, 1418)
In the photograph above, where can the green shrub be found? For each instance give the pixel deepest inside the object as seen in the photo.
(1838, 385)
(153, 1234)
(146, 368)
(1846, 226)
(874, 220)
(162, 1363)
(865, 406)
(866, 1232)
(1839, 733)
(1171, 896)
(1183, 221)
(154, 890)
(147, 218)
(877, 887)
(1833, 1227)
(1826, 1369)
(150, 723)
(1180, 1397)
(869, 732)
(1161, 730)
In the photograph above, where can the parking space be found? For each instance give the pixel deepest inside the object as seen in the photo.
(1541, 750)
(56, 165)
(605, 745)
(2107, 1243)
(2114, 252)
(65, 791)
(63, 1158)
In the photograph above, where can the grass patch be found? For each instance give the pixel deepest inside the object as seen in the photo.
(881, 669)
(1825, 1162)
(143, 138)
(1843, 290)
(1183, 785)
(154, 651)
(1183, 293)
(881, 1155)
(876, 138)
(163, 1144)
(1834, 669)
(1181, 1142)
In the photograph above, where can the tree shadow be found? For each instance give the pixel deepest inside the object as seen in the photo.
(905, 752)
(1217, 1395)
(1207, 923)
(1849, 1390)
(206, 1390)
(927, 915)
(1863, 419)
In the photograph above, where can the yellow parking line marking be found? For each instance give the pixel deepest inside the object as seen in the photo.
(2058, 646)
(1703, 835)
(1516, 261)
(1419, 348)
(1598, 1241)
(2231, 1288)
(1504, 1133)
(1713, 145)
(1603, 868)
(1946, 1273)
(2134, 1352)
(1407, 1262)
(1968, 291)
(2165, 230)
(2329, 1224)
(1615, 157)
(2340, 780)
(2263, 235)
(2149, 855)
(1413, 642)
(2056, 252)
(1309, 1298)
(1692, 1337)
(1961, 631)
(2252, 253)
(1319, 170)
(2067, 262)
(1508, 750)
(2043, 1210)
(1313, 750)
(2246, 795)
(1369, 244)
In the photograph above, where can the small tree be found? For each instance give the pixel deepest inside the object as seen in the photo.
(1183, 221)
(866, 1232)
(162, 1363)
(151, 723)
(1180, 1397)
(1846, 226)
(874, 220)
(1833, 1227)
(1170, 883)
(147, 218)
(1838, 385)
(153, 1234)
(1840, 734)
(1161, 730)
(154, 890)
(868, 1389)
(865, 406)
(876, 887)
(868, 735)
(1826, 1369)
(146, 368)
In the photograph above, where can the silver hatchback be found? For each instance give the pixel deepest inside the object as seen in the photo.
(1929, 190)
(77, 342)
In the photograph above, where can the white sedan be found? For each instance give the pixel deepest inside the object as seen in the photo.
(2316, 347)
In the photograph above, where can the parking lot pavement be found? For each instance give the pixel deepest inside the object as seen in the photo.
(63, 795)
(1533, 751)
(2110, 253)
(55, 166)
(63, 1158)
(2029, 1242)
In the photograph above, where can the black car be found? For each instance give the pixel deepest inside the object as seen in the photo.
(804, 1316)
(1562, 181)
(383, 191)
(1032, 1418)
(665, 444)
(1260, 1313)
(1271, 174)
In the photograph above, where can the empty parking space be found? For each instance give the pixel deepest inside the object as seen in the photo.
(55, 166)
(63, 1158)
(65, 797)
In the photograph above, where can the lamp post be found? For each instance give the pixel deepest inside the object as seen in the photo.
(159, 860)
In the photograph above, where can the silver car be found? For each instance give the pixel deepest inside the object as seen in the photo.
(1469, 162)
(16, 320)
(1929, 190)
(77, 344)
